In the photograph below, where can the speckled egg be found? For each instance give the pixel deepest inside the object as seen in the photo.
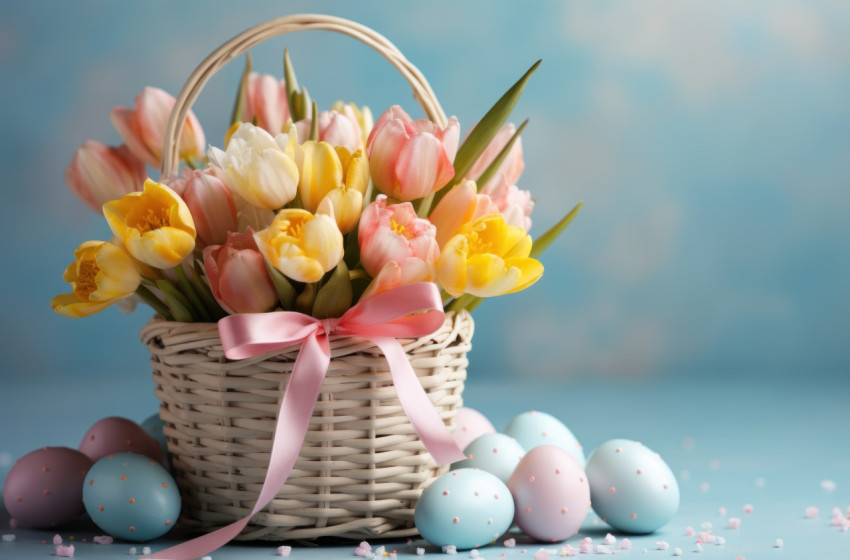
(631, 487)
(152, 426)
(466, 508)
(551, 494)
(469, 424)
(535, 428)
(132, 497)
(44, 487)
(497, 454)
(119, 435)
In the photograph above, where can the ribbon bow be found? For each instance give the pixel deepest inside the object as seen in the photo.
(408, 311)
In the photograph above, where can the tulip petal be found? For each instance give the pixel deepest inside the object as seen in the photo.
(124, 121)
(530, 271)
(419, 165)
(68, 305)
(384, 151)
(451, 268)
(488, 276)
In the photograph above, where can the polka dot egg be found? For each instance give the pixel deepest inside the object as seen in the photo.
(551, 494)
(631, 487)
(43, 488)
(469, 424)
(535, 428)
(466, 508)
(131, 496)
(497, 454)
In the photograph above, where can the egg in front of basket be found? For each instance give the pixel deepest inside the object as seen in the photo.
(465, 508)
(131, 496)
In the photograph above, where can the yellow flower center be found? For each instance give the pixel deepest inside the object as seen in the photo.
(148, 219)
(86, 282)
(400, 229)
(477, 244)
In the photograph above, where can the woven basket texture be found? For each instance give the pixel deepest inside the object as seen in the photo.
(361, 467)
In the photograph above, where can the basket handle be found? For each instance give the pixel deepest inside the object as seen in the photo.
(249, 38)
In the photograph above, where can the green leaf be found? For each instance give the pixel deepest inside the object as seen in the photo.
(192, 295)
(149, 298)
(178, 305)
(285, 292)
(486, 129)
(304, 301)
(291, 81)
(241, 97)
(314, 123)
(497, 162)
(334, 298)
(352, 247)
(542, 242)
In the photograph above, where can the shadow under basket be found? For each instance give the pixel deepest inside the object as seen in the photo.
(361, 467)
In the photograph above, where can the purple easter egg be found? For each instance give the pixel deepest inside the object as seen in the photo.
(44, 488)
(119, 435)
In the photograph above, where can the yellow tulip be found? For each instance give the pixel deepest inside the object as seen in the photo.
(488, 258)
(301, 245)
(154, 225)
(335, 173)
(100, 275)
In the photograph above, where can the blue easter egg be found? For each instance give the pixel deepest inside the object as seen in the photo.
(534, 428)
(497, 454)
(466, 508)
(631, 487)
(153, 426)
(131, 496)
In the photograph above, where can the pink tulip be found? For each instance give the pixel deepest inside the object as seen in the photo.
(398, 273)
(143, 128)
(514, 204)
(511, 167)
(99, 174)
(265, 99)
(238, 276)
(409, 159)
(392, 233)
(460, 206)
(211, 204)
(337, 129)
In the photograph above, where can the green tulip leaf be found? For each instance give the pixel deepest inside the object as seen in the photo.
(497, 162)
(241, 95)
(542, 242)
(334, 298)
(285, 292)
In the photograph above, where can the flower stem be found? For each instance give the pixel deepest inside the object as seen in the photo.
(177, 302)
(190, 292)
(149, 298)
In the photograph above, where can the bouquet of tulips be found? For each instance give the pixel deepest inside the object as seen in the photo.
(302, 210)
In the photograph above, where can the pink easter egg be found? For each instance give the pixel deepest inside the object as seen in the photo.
(469, 424)
(551, 494)
(44, 488)
(119, 435)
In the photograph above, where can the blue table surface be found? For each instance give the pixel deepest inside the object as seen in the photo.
(773, 444)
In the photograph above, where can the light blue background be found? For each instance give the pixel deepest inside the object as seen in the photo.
(708, 140)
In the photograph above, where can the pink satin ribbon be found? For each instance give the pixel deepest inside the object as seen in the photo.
(408, 311)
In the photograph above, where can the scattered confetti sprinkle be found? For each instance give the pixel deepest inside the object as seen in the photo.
(510, 543)
(420, 551)
(146, 550)
(447, 549)
(66, 551)
(473, 553)
(748, 508)
(828, 485)
(734, 522)
(721, 510)
(812, 512)
(585, 546)
(541, 554)
(57, 539)
(8, 538)
(567, 550)
(363, 549)
(677, 551)
(779, 543)
(381, 551)
(610, 539)
(721, 541)
(603, 549)
(661, 545)
(132, 551)
(689, 532)
(284, 550)
(698, 547)
(706, 525)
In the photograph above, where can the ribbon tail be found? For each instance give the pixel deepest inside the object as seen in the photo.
(296, 408)
(423, 416)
